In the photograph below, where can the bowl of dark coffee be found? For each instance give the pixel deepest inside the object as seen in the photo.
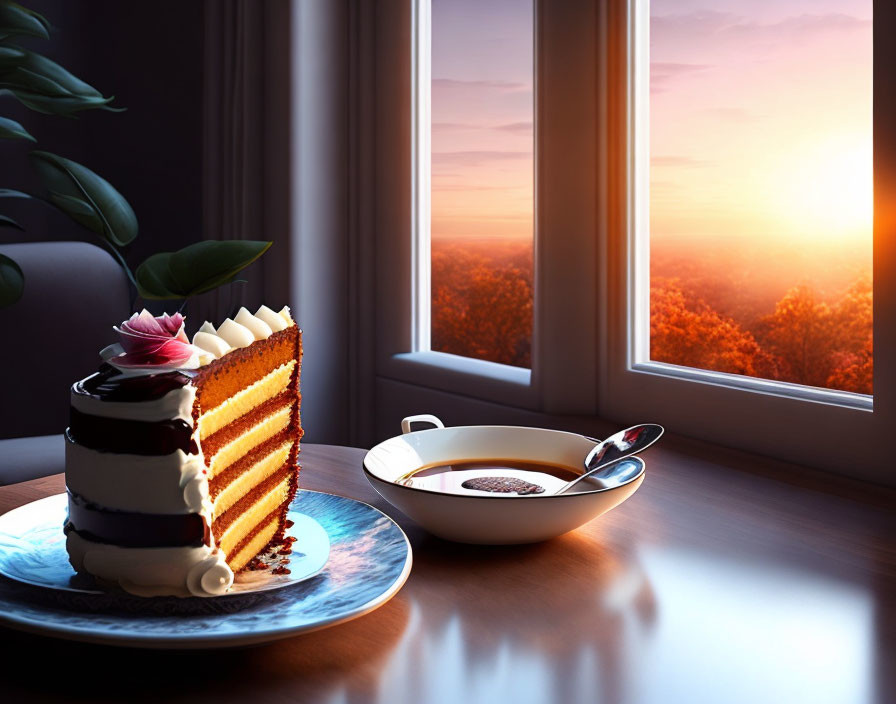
(496, 485)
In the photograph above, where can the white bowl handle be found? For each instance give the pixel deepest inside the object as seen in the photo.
(422, 418)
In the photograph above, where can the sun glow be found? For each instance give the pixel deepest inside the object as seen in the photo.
(827, 190)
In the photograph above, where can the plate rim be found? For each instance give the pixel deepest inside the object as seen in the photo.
(194, 641)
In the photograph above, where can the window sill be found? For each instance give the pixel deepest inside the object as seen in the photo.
(477, 378)
(843, 399)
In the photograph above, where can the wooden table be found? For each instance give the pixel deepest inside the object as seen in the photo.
(731, 580)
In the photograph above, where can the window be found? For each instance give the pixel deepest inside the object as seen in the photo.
(590, 359)
(481, 179)
(760, 190)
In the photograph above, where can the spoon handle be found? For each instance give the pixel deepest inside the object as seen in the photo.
(569, 485)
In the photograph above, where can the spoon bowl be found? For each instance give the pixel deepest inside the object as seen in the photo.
(618, 446)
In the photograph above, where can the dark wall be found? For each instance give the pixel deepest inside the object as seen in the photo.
(149, 55)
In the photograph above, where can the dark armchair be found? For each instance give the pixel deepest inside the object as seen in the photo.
(74, 294)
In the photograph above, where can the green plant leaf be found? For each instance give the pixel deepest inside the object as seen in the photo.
(54, 105)
(10, 193)
(6, 221)
(154, 280)
(12, 281)
(44, 86)
(73, 186)
(10, 129)
(10, 56)
(39, 65)
(78, 210)
(201, 267)
(32, 82)
(15, 19)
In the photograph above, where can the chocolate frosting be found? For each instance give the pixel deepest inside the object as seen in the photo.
(109, 384)
(133, 437)
(135, 530)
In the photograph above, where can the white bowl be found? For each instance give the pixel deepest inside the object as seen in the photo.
(479, 517)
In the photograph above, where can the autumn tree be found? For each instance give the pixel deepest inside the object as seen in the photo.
(854, 356)
(803, 336)
(690, 333)
(482, 302)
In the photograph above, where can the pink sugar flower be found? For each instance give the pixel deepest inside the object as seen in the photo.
(152, 343)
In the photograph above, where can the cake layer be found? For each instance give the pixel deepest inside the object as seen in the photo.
(173, 483)
(130, 436)
(258, 539)
(243, 443)
(222, 523)
(252, 476)
(213, 444)
(241, 367)
(136, 530)
(181, 571)
(232, 473)
(249, 518)
(238, 405)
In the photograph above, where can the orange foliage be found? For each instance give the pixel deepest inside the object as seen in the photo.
(804, 341)
(695, 335)
(482, 300)
(482, 308)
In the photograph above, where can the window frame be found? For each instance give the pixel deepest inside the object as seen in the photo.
(563, 374)
(835, 431)
(582, 370)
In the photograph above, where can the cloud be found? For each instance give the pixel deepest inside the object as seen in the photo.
(453, 126)
(518, 127)
(503, 86)
(513, 127)
(804, 25)
(698, 22)
(662, 73)
(677, 161)
(466, 187)
(729, 26)
(475, 158)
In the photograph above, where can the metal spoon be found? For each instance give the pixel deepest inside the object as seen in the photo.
(617, 447)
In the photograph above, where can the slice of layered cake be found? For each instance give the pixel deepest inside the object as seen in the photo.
(181, 459)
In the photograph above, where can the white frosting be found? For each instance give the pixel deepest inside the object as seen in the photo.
(275, 321)
(177, 403)
(242, 331)
(183, 571)
(260, 329)
(174, 483)
(211, 343)
(234, 334)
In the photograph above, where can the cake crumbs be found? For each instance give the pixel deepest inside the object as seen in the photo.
(281, 570)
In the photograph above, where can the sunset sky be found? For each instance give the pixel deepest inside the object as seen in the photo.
(760, 120)
(482, 168)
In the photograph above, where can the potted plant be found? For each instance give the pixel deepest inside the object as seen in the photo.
(44, 86)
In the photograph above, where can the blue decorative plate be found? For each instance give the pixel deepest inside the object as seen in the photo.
(369, 560)
(32, 551)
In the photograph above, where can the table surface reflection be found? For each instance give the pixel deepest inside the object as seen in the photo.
(726, 578)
